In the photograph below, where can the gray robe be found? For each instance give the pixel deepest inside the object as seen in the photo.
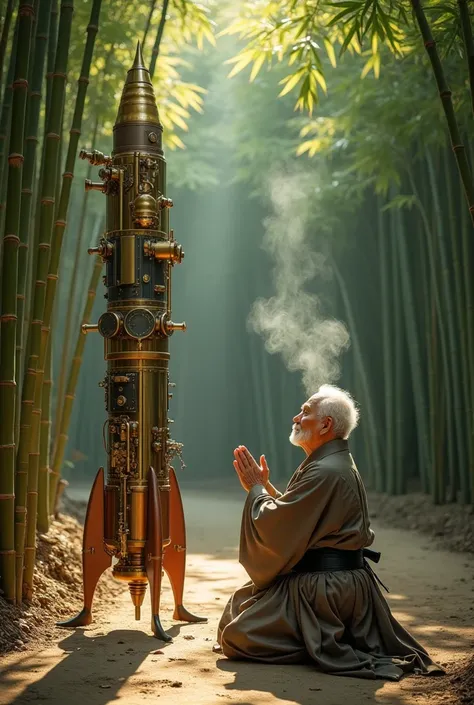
(340, 620)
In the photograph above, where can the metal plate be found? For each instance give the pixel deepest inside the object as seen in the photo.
(122, 391)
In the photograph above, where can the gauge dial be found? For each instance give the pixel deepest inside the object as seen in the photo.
(139, 323)
(109, 324)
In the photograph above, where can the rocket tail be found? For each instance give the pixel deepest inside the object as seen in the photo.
(174, 561)
(95, 560)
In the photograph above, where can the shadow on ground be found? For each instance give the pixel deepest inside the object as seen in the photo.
(86, 670)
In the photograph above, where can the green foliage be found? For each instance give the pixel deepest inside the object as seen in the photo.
(195, 23)
(188, 24)
(305, 34)
(292, 34)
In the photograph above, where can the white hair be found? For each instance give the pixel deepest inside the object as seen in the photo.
(340, 406)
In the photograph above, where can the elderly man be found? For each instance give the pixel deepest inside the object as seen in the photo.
(312, 594)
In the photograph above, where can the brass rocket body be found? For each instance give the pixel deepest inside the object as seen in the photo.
(139, 252)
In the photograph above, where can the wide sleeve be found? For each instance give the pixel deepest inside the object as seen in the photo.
(275, 533)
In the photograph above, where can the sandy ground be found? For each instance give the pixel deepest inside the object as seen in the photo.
(116, 659)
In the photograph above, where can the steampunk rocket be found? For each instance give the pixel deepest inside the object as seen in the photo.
(137, 516)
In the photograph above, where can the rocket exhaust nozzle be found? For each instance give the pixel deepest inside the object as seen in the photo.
(137, 593)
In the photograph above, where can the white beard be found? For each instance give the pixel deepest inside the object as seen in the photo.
(297, 436)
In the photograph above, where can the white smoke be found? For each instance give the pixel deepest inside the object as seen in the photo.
(291, 321)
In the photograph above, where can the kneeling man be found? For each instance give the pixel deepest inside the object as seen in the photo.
(312, 595)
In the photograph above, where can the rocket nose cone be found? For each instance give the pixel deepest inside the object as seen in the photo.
(138, 60)
(138, 103)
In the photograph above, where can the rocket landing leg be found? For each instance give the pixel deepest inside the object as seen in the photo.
(174, 560)
(94, 558)
(154, 555)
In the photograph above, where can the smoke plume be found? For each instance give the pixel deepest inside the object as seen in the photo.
(291, 321)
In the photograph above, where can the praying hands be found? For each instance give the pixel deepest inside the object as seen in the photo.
(248, 470)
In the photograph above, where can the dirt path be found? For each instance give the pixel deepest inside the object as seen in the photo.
(432, 593)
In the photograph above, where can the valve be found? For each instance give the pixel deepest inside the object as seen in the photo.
(110, 172)
(176, 326)
(90, 327)
(95, 157)
(95, 186)
(164, 250)
(165, 202)
(166, 327)
(104, 249)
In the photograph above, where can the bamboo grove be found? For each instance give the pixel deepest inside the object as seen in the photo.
(44, 43)
(380, 151)
(392, 212)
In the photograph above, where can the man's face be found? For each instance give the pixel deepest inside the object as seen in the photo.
(307, 427)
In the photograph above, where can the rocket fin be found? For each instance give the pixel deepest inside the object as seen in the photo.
(154, 555)
(174, 560)
(95, 560)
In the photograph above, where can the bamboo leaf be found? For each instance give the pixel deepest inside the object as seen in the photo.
(241, 55)
(330, 52)
(257, 66)
(244, 61)
(400, 201)
(296, 54)
(303, 27)
(367, 67)
(339, 16)
(291, 81)
(348, 3)
(174, 141)
(377, 65)
(348, 38)
(320, 79)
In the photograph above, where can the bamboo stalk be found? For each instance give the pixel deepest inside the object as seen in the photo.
(63, 370)
(51, 57)
(371, 426)
(72, 379)
(33, 259)
(61, 219)
(446, 100)
(387, 346)
(466, 245)
(8, 317)
(429, 344)
(440, 439)
(52, 139)
(461, 326)
(439, 314)
(419, 395)
(468, 43)
(148, 22)
(46, 477)
(395, 480)
(31, 144)
(5, 123)
(4, 37)
(159, 37)
(75, 276)
(449, 313)
(45, 441)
